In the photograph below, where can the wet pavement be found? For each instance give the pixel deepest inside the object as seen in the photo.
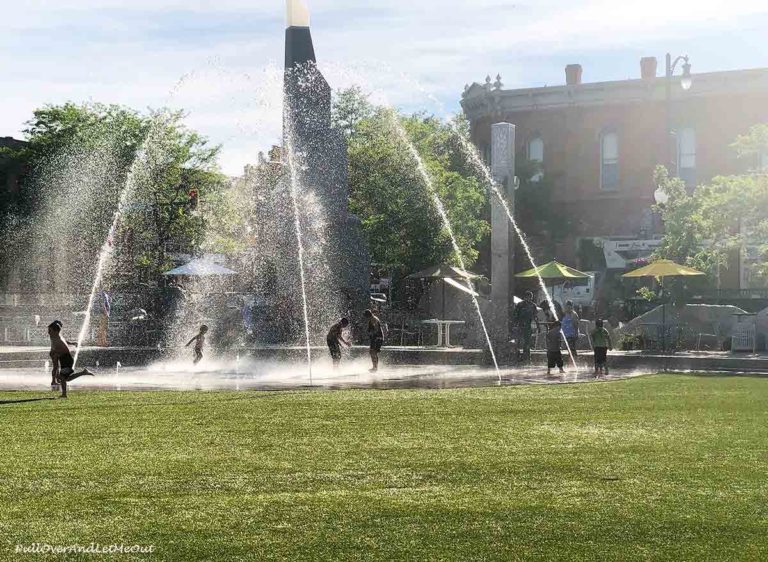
(293, 376)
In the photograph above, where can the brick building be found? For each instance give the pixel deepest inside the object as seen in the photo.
(598, 144)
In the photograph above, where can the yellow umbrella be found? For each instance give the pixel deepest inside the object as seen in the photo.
(661, 269)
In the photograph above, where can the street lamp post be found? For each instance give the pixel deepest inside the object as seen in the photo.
(685, 84)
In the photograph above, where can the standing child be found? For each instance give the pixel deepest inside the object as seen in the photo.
(601, 343)
(570, 321)
(104, 308)
(554, 342)
(376, 333)
(199, 340)
(334, 338)
(523, 315)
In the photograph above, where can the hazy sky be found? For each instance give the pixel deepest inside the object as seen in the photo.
(221, 59)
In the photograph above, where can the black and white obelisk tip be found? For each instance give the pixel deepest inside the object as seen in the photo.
(298, 40)
(298, 14)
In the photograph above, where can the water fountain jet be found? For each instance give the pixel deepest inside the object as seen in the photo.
(294, 189)
(107, 247)
(316, 155)
(438, 204)
(477, 162)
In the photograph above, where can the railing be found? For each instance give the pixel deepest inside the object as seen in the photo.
(733, 294)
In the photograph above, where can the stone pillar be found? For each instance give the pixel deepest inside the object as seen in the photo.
(502, 234)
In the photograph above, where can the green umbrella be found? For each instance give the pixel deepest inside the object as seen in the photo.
(553, 272)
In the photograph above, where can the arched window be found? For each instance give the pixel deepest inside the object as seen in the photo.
(686, 156)
(609, 161)
(536, 154)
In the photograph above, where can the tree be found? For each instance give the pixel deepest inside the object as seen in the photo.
(753, 147)
(535, 212)
(350, 108)
(388, 193)
(175, 186)
(87, 161)
(706, 227)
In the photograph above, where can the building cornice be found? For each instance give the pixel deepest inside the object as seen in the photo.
(490, 100)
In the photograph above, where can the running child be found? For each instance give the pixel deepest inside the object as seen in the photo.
(62, 360)
(601, 343)
(334, 338)
(554, 342)
(199, 340)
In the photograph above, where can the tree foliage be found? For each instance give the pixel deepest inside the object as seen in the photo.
(753, 147)
(535, 212)
(705, 227)
(389, 194)
(175, 186)
(81, 160)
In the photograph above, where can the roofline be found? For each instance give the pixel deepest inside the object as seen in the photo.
(657, 79)
(493, 97)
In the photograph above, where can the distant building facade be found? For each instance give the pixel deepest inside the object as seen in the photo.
(598, 145)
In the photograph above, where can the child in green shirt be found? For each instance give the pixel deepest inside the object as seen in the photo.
(601, 343)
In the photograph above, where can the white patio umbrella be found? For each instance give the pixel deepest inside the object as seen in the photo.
(201, 268)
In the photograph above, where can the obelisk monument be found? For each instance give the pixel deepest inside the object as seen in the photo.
(322, 152)
(502, 237)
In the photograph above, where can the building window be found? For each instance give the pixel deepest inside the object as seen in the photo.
(609, 161)
(536, 154)
(686, 156)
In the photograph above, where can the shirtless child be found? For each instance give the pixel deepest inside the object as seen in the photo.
(376, 333)
(334, 338)
(199, 340)
(62, 360)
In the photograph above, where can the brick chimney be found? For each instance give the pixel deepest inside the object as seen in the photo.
(648, 66)
(573, 74)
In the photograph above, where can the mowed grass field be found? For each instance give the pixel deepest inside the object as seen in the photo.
(666, 467)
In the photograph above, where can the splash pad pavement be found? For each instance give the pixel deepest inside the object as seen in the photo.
(258, 375)
(285, 368)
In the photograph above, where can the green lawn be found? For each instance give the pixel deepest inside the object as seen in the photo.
(662, 467)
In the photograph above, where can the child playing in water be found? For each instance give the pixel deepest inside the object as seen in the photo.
(601, 343)
(570, 325)
(333, 339)
(61, 358)
(376, 333)
(554, 341)
(199, 340)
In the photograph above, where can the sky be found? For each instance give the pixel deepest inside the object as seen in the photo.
(220, 60)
